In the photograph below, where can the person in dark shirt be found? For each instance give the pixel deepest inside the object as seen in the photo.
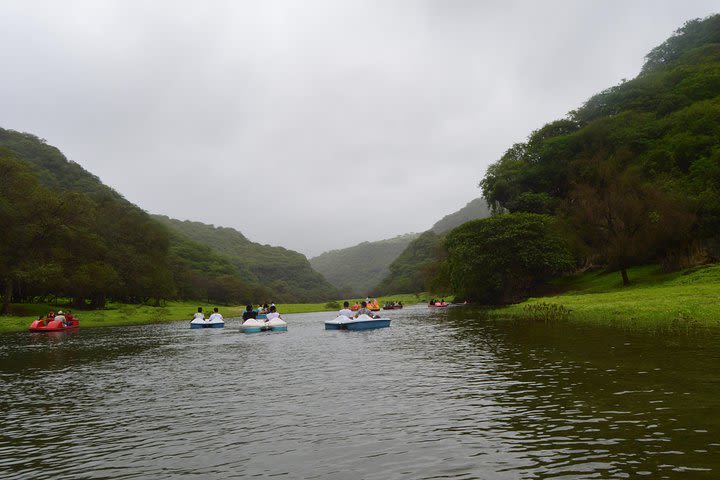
(364, 311)
(249, 313)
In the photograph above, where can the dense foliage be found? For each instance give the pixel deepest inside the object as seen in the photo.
(356, 270)
(64, 243)
(636, 169)
(65, 234)
(502, 258)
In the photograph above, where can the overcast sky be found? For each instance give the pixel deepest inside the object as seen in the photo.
(308, 124)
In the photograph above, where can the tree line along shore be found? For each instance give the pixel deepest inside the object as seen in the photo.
(680, 301)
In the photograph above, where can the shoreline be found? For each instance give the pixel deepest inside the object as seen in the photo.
(655, 300)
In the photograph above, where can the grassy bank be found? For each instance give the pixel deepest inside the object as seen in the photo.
(653, 299)
(125, 314)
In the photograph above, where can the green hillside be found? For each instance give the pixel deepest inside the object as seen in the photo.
(647, 145)
(286, 274)
(355, 271)
(66, 234)
(632, 177)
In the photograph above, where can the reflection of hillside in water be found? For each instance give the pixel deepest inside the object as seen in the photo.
(582, 399)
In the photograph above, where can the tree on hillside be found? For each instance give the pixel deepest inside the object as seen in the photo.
(625, 219)
(501, 259)
(694, 33)
(28, 215)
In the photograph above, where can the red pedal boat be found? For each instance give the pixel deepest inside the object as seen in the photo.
(50, 324)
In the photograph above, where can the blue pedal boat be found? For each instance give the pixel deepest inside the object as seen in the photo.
(206, 324)
(363, 322)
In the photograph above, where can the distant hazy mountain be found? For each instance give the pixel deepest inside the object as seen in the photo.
(475, 209)
(356, 270)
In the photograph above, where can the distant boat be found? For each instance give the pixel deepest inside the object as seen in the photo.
(363, 322)
(392, 307)
(438, 305)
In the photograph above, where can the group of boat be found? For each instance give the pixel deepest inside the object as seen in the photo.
(253, 320)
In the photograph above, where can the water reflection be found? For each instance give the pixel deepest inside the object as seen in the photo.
(441, 394)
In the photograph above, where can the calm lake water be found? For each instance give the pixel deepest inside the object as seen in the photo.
(440, 394)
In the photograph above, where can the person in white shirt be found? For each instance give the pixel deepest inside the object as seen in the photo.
(273, 313)
(216, 317)
(346, 310)
(199, 317)
(61, 316)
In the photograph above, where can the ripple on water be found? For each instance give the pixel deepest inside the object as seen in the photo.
(440, 394)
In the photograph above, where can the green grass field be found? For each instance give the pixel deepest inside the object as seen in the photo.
(654, 299)
(22, 315)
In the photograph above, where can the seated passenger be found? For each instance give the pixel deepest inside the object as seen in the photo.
(273, 313)
(60, 316)
(199, 315)
(346, 310)
(249, 313)
(216, 317)
(364, 311)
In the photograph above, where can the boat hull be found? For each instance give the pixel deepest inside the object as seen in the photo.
(251, 329)
(39, 326)
(263, 328)
(361, 323)
(207, 325)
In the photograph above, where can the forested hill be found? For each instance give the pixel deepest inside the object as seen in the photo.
(630, 177)
(356, 270)
(475, 209)
(285, 273)
(636, 169)
(66, 234)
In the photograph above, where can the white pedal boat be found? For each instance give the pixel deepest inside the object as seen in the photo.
(363, 322)
(252, 325)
